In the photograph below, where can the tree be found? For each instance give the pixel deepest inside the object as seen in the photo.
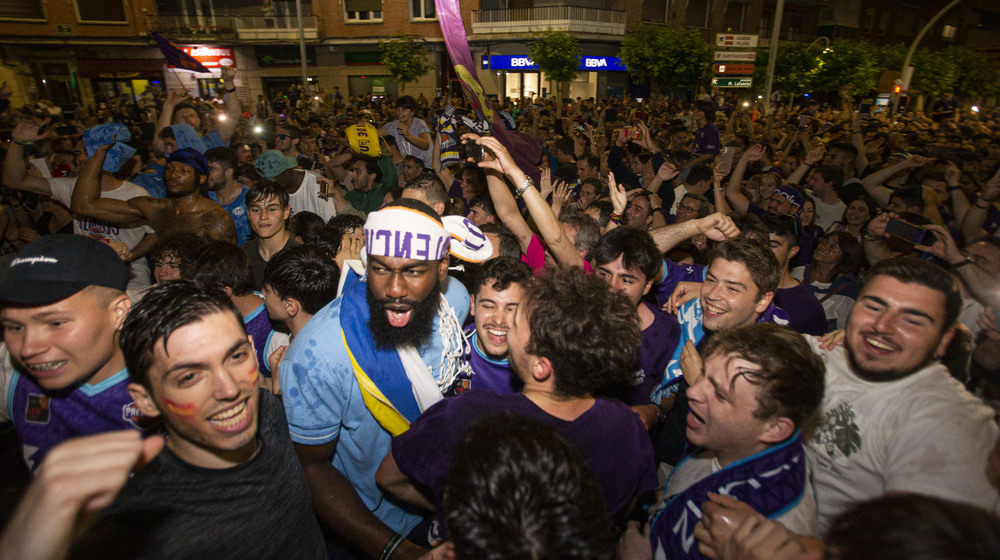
(557, 54)
(794, 69)
(975, 74)
(405, 59)
(850, 67)
(665, 56)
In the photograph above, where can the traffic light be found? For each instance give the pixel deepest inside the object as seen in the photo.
(897, 89)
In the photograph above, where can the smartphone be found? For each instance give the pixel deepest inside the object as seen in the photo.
(909, 232)
(726, 159)
(634, 133)
(996, 316)
(803, 123)
(474, 151)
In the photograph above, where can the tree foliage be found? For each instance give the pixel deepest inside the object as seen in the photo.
(975, 74)
(665, 56)
(793, 71)
(404, 58)
(557, 54)
(850, 67)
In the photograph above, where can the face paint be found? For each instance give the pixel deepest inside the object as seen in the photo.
(186, 410)
(255, 377)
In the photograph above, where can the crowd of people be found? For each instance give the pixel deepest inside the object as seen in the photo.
(326, 327)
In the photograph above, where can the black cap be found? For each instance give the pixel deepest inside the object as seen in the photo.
(57, 266)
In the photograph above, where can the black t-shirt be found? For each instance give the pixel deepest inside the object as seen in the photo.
(171, 509)
(252, 248)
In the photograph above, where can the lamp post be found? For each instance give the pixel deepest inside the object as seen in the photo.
(907, 72)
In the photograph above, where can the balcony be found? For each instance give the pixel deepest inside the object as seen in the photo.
(229, 28)
(573, 19)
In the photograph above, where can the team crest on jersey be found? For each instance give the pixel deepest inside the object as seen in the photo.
(38, 410)
(131, 414)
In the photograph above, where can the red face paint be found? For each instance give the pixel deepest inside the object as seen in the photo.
(185, 410)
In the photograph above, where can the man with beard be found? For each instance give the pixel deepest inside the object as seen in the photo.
(893, 419)
(184, 209)
(367, 365)
(223, 188)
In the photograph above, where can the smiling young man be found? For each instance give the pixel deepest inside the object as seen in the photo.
(63, 301)
(367, 365)
(499, 291)
(267, 209)
(757, 385)
(893, 419)
(228, 463)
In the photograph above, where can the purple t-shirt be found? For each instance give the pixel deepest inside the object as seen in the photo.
(45, 419)
(706, 140)
(659, 340)
(610, 437)
(674, 274)
(805, 312)
(258, 325)
(491, 374)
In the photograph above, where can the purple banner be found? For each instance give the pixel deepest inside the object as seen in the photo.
(526, 149)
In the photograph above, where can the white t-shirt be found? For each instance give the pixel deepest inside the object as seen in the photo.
(828, 214)
(307, 199)
(922, 434)
(417, 127)
(800, 519)
(62, 190)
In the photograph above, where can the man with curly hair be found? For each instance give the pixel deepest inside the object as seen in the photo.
(569, 337)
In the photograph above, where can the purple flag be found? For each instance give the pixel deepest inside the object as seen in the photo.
(175, 56)
(525, 149)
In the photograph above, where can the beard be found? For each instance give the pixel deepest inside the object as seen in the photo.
(416, 330)
(883, 375)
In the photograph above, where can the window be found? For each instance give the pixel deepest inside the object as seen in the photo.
(869, 20)
(733, 18)
(883, 23)
(21, 9)
(697, 13)
(101, 10)
(422, 9)
(363, 10)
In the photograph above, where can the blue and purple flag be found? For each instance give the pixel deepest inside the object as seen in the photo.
(175, 56)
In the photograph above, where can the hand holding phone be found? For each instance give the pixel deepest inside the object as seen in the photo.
(908, 232)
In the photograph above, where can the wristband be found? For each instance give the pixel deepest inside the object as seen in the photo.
(391, 546)
(230, 90)
(962, 263)
(524, 187)
(869, 236)
(954, 188)
(616, 216)
(807, 164)
(19, 143)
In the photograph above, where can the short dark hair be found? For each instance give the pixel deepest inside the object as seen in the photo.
(224, 156)
(758, 260)
(292, 130)
(593, 162)
(572, 316)
(790, 378)
(371, 166)
(910, 270)
(162, 310)
(407, 102)
(432, 188)
(517, 489)
(221, 265)
(566, 145)
(304, 273)
(503, 271)
(699, 173)
(306, 225)
(914, 527)
(416, 160)
(635, 246)
(483, 201)
(704, 206)
(784, 226)
(845, 147)
(509, 245)
(261, 191)
(832, 173)
(912, 196)
(707, 107)
(606, 208)
(751, 228)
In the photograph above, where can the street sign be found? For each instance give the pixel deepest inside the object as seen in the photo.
(736, 56)
(727, 40)
(732, 82)
(732, 68)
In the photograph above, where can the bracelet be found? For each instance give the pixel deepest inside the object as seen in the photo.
(391, 546)
(616, 216)
(719, 190)
(807, 164)
(962, 263)
(19, 143)
(869, 236)
(524, 187)
(230, 90)
(616, 221)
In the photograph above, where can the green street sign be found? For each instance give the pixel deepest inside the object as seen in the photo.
(732, 82)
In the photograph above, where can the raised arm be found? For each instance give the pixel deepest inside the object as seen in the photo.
(717, 227)
(506, 209)
(15, 172)
(548, 224)
(442, 171)
(174, 98)
(734, 194)
(87, 196)
(233, 109)
(959, 203)
(982, 285)
(874, 183)
(975, 217)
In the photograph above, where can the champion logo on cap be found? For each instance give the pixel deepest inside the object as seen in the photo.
(33, 260)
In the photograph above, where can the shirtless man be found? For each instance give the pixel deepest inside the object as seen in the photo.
(184, 209)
